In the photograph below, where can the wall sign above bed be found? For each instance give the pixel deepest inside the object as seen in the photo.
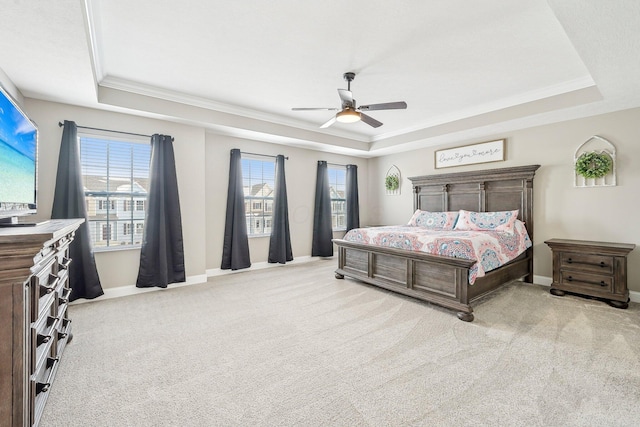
(485, 152)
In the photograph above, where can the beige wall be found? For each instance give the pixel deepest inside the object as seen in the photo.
(300, 171)
(202, 164)
(560, 210)
(120, 268)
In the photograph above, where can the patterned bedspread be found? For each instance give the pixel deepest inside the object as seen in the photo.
(491, 249)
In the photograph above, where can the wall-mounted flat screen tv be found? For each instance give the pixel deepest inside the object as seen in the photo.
(18, 159)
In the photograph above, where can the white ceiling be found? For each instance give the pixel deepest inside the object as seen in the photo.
(465, 69)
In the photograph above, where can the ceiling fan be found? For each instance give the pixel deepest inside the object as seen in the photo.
(350, 112)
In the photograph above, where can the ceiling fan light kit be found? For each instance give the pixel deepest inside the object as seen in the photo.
(350, 113)
(348, 116)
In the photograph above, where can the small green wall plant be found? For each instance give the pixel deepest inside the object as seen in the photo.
(391, 182)
(593, 164)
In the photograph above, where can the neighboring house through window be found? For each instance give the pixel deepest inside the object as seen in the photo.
(337, 190)
(115, 176)
(258, 181)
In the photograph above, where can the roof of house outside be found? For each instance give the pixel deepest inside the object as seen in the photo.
(336, 194)
(98, 183)
(258, 190)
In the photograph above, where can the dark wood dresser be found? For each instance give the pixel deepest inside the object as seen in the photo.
(596, 269)
(34, 326)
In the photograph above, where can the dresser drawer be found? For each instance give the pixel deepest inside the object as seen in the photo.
(587, 281)
(63, 263)
(587, 262)
(63, 294)
(44, 286)
(63, 333)
(40, 385)
(43, 337)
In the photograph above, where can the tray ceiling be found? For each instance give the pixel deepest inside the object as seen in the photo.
(465, 69)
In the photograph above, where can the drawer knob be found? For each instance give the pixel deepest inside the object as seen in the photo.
(64, 265)
(43, 339)
(602, 283)
(42, 387)
(602, 264)
(569, 279)
(569, 260)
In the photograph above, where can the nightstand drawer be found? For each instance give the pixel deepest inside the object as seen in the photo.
(585, 280)
(587, 262)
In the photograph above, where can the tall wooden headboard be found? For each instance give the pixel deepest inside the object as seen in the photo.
(480, 191)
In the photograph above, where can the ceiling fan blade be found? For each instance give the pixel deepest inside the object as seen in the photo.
(314, 109)
(370, 120)
(331, 121)
(346, 96)
(385, 106)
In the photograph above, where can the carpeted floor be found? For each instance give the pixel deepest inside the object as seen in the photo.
(292, 346)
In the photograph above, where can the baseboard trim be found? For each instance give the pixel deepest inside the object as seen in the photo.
(259, 266)
(634, 296)
(542, 280)
(124, 291)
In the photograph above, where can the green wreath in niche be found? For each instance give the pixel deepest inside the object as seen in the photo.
(391, 182)
(593, 165)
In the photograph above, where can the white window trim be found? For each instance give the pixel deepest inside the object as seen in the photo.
(332, 200)
(261, 200)
(132, 139)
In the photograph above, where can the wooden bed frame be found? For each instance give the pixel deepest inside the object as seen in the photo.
(444, 280)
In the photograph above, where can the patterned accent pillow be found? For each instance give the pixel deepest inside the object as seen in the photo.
(487, 221)
(434, 220)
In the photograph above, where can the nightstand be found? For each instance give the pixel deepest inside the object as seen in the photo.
(596, 269)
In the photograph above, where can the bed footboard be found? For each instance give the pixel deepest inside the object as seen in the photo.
(441, 280)
(438, 279)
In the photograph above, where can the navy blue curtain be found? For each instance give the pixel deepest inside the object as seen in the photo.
(69, 202)
(322, 229)
(353, 206)
(162, 253)
(280, 240)
(235, 250)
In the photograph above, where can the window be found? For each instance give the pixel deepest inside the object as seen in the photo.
(115, 175)
(337, 190)
(258, 180)
(104, 205)
(106, 232)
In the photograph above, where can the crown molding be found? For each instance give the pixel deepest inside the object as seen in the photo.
(500, 104)
(91, 12)
(125, 85)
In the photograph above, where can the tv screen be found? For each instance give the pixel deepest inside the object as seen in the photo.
(18, 158)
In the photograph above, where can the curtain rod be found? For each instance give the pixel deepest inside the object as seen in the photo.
(109, 130)
(263, 155)
(336, 164)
